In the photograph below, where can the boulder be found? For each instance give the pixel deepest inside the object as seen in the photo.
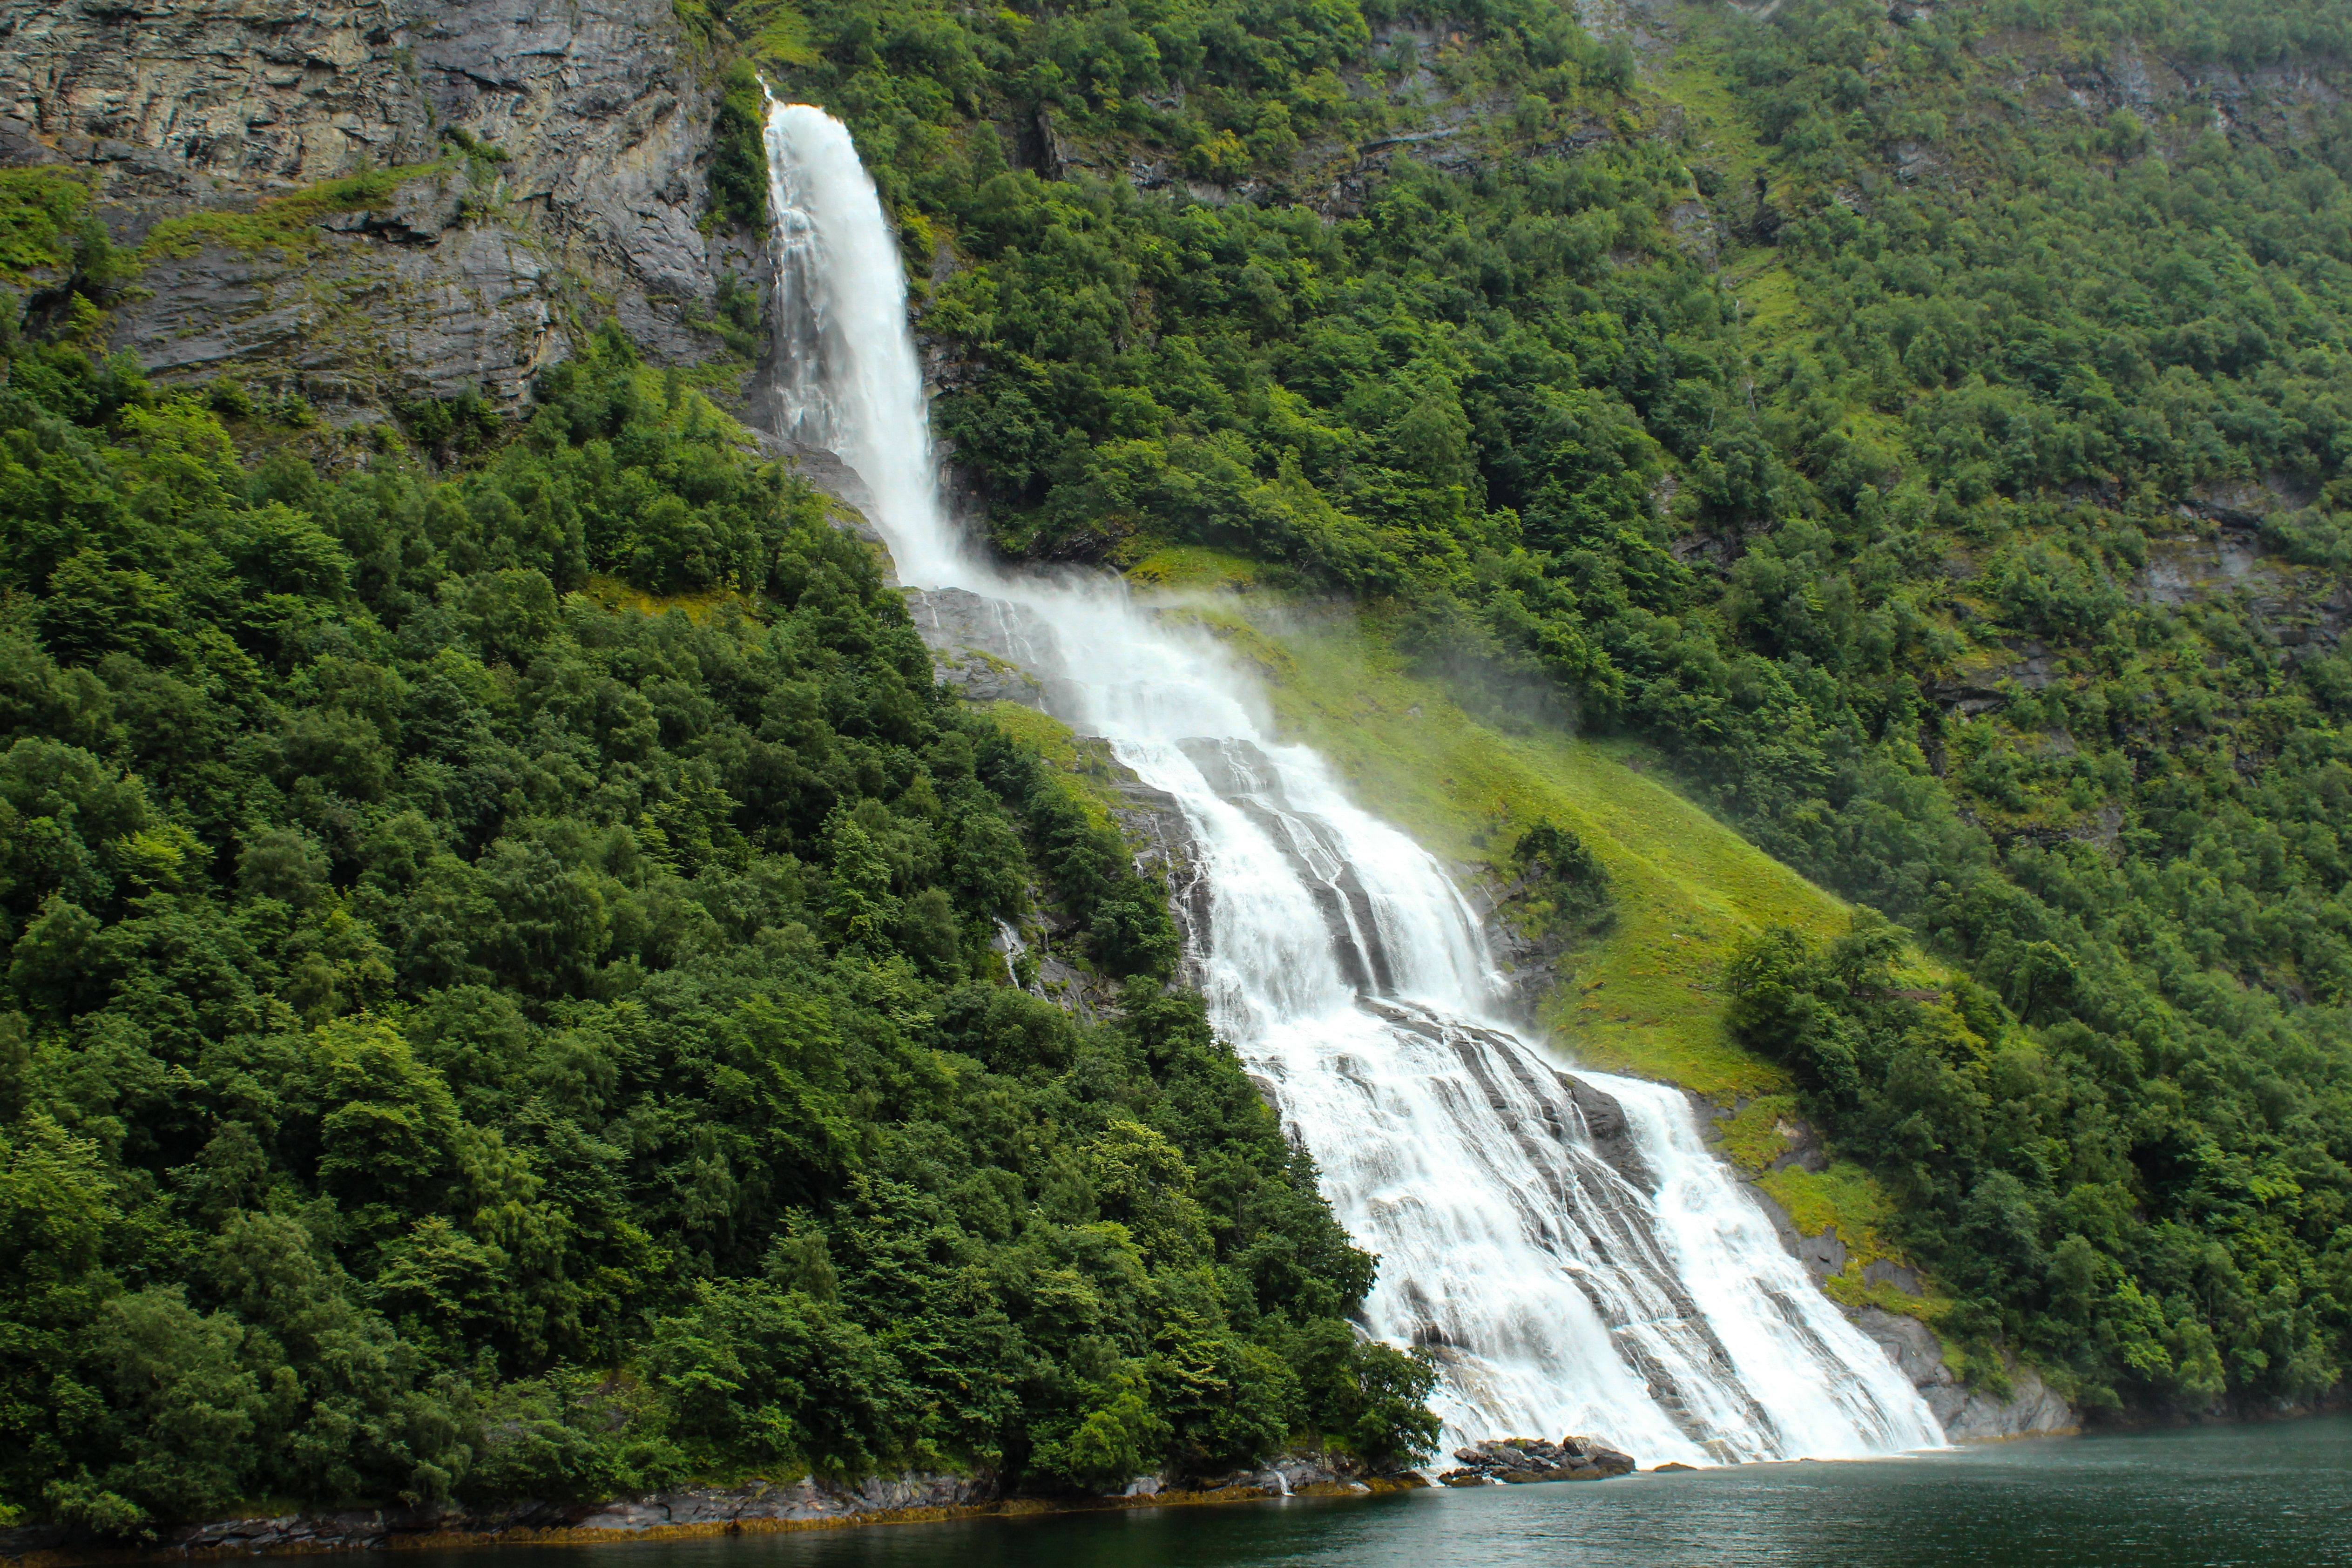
(1516, 1461)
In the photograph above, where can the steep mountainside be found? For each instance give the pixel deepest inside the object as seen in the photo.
(1924, 426)
(510, 984)
(1918, 432)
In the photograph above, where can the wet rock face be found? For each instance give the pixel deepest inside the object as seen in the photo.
(992, 650)
(1967, 1415)
(1515, 1460)
(459, 280)
(988, 650)
(1612, 1138)
(1165, 849)
(827, 473)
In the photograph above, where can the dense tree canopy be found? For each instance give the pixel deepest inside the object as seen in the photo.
(499, 995)
(467, 1029)
(1844, 401)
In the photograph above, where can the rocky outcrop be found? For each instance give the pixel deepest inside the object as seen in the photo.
(476, 312)
(989, 650)
(805, 1501)
(1967, 1415)
(1515, 1460)
(827, 473)
(1612, 1135)
(1315, 1473)
(471, 275)
(1824, 1256)
(1165, 851)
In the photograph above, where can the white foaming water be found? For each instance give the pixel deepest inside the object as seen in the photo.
(1566, 1245)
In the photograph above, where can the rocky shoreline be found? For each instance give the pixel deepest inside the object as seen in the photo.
(758, 1507)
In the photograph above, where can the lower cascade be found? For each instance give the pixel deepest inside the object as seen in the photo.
(1563, 1243)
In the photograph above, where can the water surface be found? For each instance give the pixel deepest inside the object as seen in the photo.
(2270, 1493)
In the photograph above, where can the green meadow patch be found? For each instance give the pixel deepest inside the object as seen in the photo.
(1645, 998)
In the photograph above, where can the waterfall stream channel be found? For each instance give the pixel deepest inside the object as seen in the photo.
(1563, 1241)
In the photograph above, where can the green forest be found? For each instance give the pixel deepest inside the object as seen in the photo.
(467, 1039)
(498, 983)
(1815, 399)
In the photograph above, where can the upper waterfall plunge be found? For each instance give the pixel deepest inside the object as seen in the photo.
(1564, 1243)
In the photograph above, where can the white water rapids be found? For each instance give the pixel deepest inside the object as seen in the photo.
(1564, 1243)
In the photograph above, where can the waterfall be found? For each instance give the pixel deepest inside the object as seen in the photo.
(1561, 1241)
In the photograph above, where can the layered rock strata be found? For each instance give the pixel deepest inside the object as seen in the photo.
(582, 195)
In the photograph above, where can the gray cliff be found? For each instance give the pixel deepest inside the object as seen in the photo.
(1969, 1415)
(1966, 1415)
(470, 279)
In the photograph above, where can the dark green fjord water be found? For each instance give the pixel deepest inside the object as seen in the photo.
(2272, 1493)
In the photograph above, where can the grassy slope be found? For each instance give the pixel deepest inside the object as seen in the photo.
(1645, 1000)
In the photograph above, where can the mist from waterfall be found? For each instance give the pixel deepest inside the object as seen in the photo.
(1562, 1242)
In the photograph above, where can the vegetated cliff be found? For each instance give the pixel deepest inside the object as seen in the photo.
(501, 1006)
(1618, 907)
(1841, 424)
(715, 843)
(308, 218)
(384, 201)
